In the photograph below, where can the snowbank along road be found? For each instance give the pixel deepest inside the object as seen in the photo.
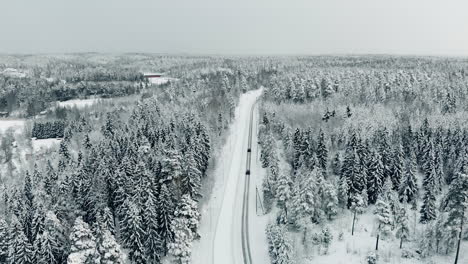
(225, 224)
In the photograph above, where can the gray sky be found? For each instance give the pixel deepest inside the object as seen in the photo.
(422, 27)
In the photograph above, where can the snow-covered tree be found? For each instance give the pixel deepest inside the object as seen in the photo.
(384, 218)
(165, 210)
(191, 176)
(280, 248)
(131, 226)
(322, 151)
(109, 249)
(4, 240)
(45, 246)
(20, 250)
(83, 244)
(402, 231)
(408, 188)
(184, 227)
(283, 190)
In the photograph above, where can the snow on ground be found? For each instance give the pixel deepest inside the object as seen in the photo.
(220, 227)
(158, 81)
(78, 103)
(15, 124)
(12, 72)
(354, 249)
(39, 145)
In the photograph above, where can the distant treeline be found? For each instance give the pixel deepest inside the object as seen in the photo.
(49, 129)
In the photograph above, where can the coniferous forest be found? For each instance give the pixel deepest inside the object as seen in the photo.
(123, 184)
(369, 148)
(377, 141)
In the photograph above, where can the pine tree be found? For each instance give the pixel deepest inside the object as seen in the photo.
(330, 200)
(151, 238)
(30, 208)
(165, 209)
(383, 212)
(132, 231)
(343, 190)
(107, 219)
(4, 240)
(280, 249)
(357, 206)
(456, 202)
(428, 208)
(56, 234)
(44, 249)
(83, 244)
(402, 231)
(397, 166)
(322, 151)
(109, 249)
(408, 189)
(184, 227)
(303, 198)
(20, 250)
(283, 191)
(375, 177)
(191, 176)
(336, 164)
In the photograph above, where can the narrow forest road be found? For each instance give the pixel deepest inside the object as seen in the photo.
(230, 230)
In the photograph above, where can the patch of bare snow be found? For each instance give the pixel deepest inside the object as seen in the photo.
(40, 145)
(16, 124)
(79, 103)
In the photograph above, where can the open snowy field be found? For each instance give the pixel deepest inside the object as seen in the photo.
(40, 145)
(15, 124)
(79, 103)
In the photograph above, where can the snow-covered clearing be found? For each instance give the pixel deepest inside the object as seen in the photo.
(79, 103)
(159, 81)
(220, 227)
(16, 125)
(12, 72)
(40, 145)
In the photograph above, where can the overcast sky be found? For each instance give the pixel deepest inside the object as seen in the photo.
(421, 27)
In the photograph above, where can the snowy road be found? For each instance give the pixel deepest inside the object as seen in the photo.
(230, 226)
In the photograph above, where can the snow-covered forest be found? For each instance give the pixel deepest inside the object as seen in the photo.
(366, 160)
(123, 184)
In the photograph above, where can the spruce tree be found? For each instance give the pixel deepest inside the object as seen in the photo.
(280, 249)
(456, 202)
(109, 250)
(383, 213)
(375, 177)
(30, 208)
(336, 164)
(4, 240)
(397, 166)
(20, 250)
(83, 244)
(132, 231)
(191, 176)
(322, 151)
(408, 189)
(402, 231)
(44, 249)
(428, 208)
(151, 228)
(165, 208)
